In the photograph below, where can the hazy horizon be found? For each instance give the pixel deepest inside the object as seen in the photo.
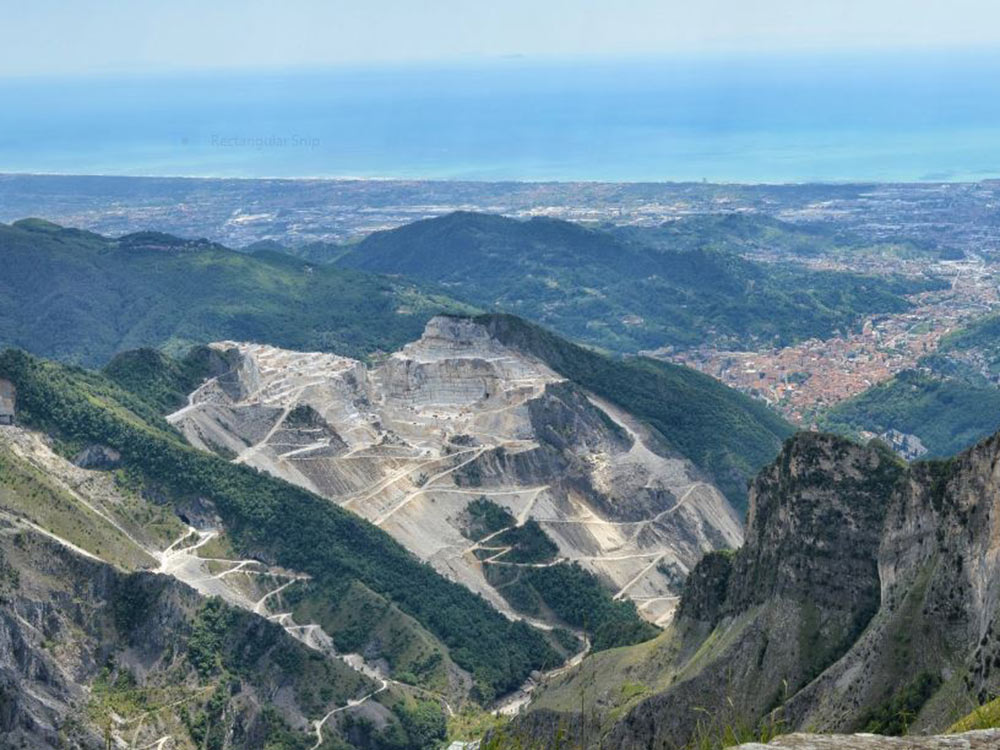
(779, 118)
(772, 91)
(51, 37)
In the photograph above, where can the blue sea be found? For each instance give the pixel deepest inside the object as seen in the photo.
(933, 116)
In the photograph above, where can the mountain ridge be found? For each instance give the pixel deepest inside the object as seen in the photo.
(458, 415)
(83, 298)
(864, 600)
(622, 293)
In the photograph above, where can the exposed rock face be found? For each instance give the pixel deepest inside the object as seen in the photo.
(939, 566)
(865, 598)
(456, 416)
(70, 621)
(793, 599)
(99, 457)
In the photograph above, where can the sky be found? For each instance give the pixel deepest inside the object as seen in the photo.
(57, 37)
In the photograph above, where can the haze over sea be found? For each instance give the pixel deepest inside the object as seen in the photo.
(798, 118)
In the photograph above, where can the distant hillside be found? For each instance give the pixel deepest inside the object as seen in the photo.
(748, 233)
(81, 297)
(622, 291)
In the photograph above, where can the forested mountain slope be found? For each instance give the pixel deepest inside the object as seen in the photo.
(80, 297)
(623, 293)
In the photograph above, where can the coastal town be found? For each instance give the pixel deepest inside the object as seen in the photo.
(810, 376)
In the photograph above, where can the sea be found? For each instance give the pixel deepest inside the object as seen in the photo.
(915, 116)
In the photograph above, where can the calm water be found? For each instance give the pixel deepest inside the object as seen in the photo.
(931, 117)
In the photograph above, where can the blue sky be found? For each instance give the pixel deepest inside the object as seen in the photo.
(45, 37)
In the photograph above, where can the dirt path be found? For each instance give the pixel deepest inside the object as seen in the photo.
(641, 524)
(318, 723)
(397, 476)
(252, 450)
(638, 576)
(191, 401)
(429, 485)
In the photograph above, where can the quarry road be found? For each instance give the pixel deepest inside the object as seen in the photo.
(291, 399)
(305, 449)
(159, 744)
(192, 401)
(249, 452)
(615, 558)
(56, 538)
(397, 476)
(259, 607)
(181, 562)
(638, 576)
(522, 518)
(429, 485)
(318, 724)
(641, 524)
(170, 556)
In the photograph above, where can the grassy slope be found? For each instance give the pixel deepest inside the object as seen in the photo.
(270, 517)
(725, 433)
(590, 285)
(31, 494)
(80, 297)
(986, 716)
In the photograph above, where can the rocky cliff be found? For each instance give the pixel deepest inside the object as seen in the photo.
(979, 740)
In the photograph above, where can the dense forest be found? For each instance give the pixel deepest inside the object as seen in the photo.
(947, 414)
(82, 298)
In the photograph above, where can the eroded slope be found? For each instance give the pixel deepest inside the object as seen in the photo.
(456, 417)
(119, 623)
